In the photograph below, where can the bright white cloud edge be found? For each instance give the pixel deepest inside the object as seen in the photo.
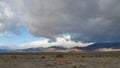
(65, 42)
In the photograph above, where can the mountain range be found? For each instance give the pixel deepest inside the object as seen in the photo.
(92, 47)
(97, 46)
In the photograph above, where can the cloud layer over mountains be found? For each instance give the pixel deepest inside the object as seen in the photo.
(84, 20)
(64, 42)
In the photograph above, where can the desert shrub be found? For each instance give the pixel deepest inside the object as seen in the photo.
(43, 57)
(14, 64)
(79, 66)
(77, 56)
(82, 65)
(91, 56)
(82, 56)
(69, 62)
(75, 66)
(59, 56)
(49, 64)
(13, 57)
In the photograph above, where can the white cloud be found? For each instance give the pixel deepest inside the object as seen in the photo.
(59, 42)
(5, 34)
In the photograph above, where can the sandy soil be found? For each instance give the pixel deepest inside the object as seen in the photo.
(58, 61)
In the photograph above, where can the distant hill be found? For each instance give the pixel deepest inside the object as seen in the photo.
(103, 45)
(58, 47)
(54, 49)
(99, 46)
(5, 50)
(39, 49)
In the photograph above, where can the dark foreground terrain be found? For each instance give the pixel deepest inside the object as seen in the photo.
(60, 60)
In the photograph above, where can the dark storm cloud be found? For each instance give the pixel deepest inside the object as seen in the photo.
(85, 20)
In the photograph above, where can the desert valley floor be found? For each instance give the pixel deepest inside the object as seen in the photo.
(60, 60)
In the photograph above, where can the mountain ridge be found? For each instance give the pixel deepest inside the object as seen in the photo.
(92, 47)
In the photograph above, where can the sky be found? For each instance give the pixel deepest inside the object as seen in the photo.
(68, 23)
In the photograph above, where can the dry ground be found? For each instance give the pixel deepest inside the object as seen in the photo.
(60, 60)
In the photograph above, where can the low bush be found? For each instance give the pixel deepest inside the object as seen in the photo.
(43, 57)
(59, 56)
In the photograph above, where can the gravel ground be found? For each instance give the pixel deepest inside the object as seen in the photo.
(58, 61)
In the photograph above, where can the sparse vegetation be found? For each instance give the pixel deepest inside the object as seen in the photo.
(59, 56)
(83, 56)
(79, 66)
(75, 66)
(49, 64)
(60, 60)
(13, 57)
